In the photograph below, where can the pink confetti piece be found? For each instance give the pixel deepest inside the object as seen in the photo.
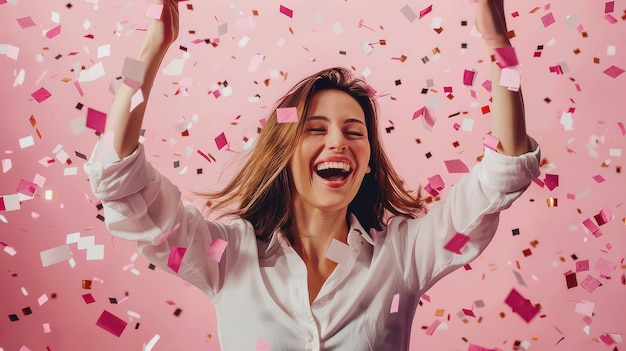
(286, 11)
(547, 20)
(622, 127)
(88, 298)
(41, 94)
(428, 121)
(431, 328)
(216, 249)
(220, 141)
(456, 243)
(522, 306)
(491, 142)
(456, 166)
(607, 339)
(53, 32)
(166, 235)
(436, 182)
(585, 308)
(7, 164)
(473, 347)
(133, 72)
(487, 85)
(79, 89)
(582, 266)
(339, 252)
(154, 11)
(111, 323)
(598, 178)
(25, 22)
(592, 227)
(468, 77)
(26, 187)
(262, 345)
(551, 181)
(609, 6)
(426, 11)
(287, 115)
(408, 13)
(395, 303)
(96, 120)
(468, 313)
(590, 284)
(605, 267)
(176, 257)
(604, 217)
(10, 203)
(613, 71)
(609, 18)
(506, 57)
(55, 255)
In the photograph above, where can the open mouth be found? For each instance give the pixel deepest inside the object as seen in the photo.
(333, 171)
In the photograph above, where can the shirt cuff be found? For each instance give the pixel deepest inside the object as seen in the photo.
(509, 174)
(112, 178)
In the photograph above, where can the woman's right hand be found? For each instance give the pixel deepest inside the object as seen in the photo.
(161, 33)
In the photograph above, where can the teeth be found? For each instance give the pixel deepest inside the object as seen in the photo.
(335, 165)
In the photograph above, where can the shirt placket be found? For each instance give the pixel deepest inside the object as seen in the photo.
(299, 291)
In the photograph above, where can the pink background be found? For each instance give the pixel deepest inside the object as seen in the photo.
(292, 48)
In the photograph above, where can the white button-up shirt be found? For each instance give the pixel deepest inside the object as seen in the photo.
(260, 289)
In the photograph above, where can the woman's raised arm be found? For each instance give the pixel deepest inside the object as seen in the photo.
(126, 124)
(507, 110)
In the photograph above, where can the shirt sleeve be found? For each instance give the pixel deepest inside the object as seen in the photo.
(472, 208)
(142, 205)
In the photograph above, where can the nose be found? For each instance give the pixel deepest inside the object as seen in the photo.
(335, 140)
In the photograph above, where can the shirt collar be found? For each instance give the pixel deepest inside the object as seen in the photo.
(356, 229)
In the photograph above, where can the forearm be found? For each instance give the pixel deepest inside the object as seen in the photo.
(507, 111)
(126, 124)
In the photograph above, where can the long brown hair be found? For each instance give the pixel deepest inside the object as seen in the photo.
(262, 190)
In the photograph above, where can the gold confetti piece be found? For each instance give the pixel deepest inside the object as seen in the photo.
(552, 202)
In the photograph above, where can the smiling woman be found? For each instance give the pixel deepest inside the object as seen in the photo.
(328, 250)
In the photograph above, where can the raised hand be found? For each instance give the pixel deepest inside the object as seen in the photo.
(161, 33)
(491, 23)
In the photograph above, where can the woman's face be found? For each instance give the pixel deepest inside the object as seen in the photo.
(330, 162)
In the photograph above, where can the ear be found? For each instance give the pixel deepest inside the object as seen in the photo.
(368, 170)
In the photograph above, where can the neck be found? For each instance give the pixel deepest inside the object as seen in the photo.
(315, 230)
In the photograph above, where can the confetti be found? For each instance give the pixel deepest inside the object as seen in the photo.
(96, 120)
(176, 257)
(339, 252)
(456, 243)
(286, 11)
(216, 249)
(111, 323)
(613, 71)
(55, 255)
(395, 303)
(456, 166)
(41, 95)
(220, 141)
(287, 115)
(521, 306)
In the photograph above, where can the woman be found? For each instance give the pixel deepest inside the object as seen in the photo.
(329, 251)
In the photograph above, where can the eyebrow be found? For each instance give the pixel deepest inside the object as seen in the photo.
(324, 118)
